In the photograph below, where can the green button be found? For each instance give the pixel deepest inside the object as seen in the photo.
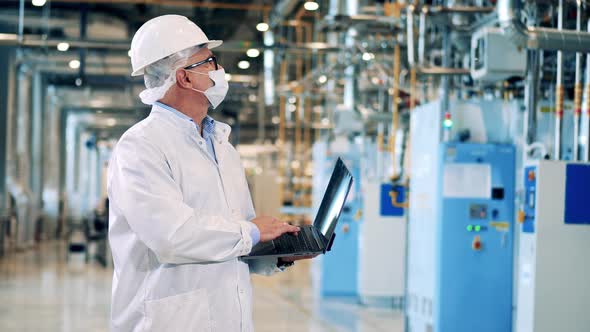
(477, 228)
(469, 228)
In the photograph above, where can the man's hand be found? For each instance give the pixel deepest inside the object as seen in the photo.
(296, 258)
(271, 228)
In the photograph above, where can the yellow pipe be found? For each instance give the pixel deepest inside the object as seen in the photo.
(559, 101)
(403, 205)
(578, 99)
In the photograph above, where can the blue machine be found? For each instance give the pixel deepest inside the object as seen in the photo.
(473, 288)
(339, 268)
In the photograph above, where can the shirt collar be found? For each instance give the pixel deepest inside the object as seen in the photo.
(208, 122)
(219, 130)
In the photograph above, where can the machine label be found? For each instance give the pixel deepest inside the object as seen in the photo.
(500, 226)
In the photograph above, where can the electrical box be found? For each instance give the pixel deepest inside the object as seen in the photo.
(553, 289)
(460, 241)
(494, 57)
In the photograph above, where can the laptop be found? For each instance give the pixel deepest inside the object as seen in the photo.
(317, 238)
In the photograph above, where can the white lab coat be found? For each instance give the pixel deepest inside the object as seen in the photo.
(178, 225)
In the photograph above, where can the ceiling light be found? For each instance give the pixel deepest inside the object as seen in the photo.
(291, 108)
(74, 64)
(243, 64)
(252, 98)
(253, 53)
(311, 5)
(262, 27)
(63, 47)
(368, 56)
(322, 79)
(292, 100)
(227, 77)
(39, 3)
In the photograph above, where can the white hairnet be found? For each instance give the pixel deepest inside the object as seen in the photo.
(161, 75)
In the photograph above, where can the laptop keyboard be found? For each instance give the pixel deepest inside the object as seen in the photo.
(290, 243)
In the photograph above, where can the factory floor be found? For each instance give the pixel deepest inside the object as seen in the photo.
(40, 291)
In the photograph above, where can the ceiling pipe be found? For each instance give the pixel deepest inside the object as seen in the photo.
(176, 3)
(435, 10)
(281, 11)
(8, 39)
(508, 12)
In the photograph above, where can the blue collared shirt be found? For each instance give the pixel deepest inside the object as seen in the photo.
(208, 132)
(208, 127)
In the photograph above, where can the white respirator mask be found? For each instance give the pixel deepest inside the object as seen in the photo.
(217, 92)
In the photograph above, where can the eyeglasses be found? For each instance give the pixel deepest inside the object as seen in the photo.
(208, 60)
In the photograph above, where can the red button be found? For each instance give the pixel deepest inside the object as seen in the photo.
(531, 175)
(476, 244)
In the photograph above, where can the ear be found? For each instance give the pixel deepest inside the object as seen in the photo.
(183, 80)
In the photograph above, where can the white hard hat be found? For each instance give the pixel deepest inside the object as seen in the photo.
(163, 36)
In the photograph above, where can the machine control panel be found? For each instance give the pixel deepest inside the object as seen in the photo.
(474, 238)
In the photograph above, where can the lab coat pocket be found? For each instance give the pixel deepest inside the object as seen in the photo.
(183, 312)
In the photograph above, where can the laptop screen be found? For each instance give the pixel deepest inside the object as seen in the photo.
(333, 200)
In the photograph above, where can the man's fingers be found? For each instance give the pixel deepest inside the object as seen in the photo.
(290, 229)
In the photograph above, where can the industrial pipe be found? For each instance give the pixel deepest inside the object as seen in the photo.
(420, 67)
(508, 12)
(436, 10)
(578, 86)
(298, 115)
(395, 111)
(559, 91)
(281, 138)
(531, 95)
(178, 3)
(587, 120)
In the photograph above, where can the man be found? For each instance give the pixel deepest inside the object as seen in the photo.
(181, 215)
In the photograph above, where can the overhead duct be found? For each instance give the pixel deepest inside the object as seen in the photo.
(282, 10)
(535, 37)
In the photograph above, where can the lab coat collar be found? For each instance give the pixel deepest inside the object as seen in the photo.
(221, 133)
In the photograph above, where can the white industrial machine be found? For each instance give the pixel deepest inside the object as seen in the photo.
(382, 245)
(553, 288)
(495, 57)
